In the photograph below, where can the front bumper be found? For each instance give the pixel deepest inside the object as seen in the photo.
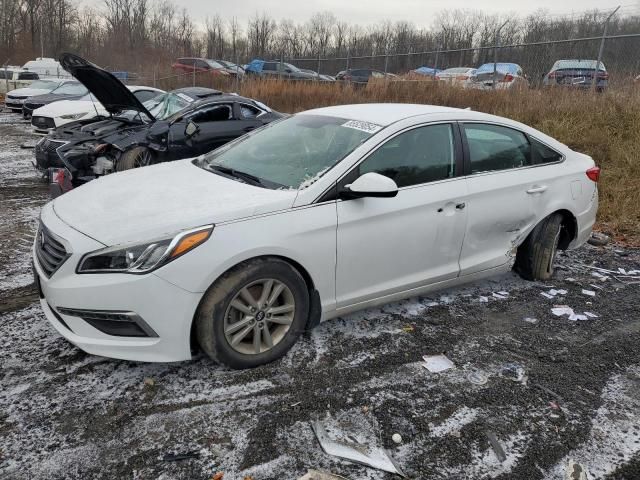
(165, 309)
(13, 104)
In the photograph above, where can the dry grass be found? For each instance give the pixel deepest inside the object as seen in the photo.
(605, 126)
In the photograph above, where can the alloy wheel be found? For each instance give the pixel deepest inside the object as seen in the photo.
(259, 316)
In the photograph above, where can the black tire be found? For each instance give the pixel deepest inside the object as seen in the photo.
(535, 257)
(133, 158)
(210, 317)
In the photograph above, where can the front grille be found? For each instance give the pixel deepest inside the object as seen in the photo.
(43, 122)
(33, 106)
(50, 252)
(48, 145)
(12, 97)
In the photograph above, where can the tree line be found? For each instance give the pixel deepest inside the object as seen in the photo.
(140, 35)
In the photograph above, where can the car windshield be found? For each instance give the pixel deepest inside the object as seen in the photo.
(44, 84)
(292, 153)
(161, 107)
(71, 88)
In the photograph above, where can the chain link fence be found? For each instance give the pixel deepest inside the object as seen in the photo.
(619, 55)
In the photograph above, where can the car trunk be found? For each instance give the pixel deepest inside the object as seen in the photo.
(573, 76)
(487, 78)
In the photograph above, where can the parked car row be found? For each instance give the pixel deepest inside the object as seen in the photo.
(565, 73)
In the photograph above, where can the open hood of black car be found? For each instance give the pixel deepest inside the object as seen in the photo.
(105, 87)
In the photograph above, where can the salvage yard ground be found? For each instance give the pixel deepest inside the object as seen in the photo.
(68, 415)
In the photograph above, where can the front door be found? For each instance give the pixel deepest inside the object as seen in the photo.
(389, 245)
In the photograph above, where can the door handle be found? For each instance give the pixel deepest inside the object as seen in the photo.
(461, 206)
(537, 189)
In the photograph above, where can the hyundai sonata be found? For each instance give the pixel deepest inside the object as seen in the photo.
(311, 217)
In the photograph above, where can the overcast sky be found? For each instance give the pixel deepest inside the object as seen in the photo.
(363, 12)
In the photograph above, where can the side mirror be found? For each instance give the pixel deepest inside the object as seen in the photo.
(191, 129)
(371, 185)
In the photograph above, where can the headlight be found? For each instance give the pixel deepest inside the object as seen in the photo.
(73, 116)
(143, 257)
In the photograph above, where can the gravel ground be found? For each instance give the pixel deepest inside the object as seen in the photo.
(68, 415)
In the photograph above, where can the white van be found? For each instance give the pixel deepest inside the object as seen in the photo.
(46, 67)
(15, 77)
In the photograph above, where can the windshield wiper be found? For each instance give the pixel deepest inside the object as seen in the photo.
(247, 177)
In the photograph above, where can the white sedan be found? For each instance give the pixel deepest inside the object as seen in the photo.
(317, 215)
(60, 113)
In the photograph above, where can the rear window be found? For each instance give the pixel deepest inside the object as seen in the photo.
(28, 76)
(493, 147)
(577, 65)
(361, 73)
(541, 153)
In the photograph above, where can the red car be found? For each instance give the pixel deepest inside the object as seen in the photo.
(199, 65)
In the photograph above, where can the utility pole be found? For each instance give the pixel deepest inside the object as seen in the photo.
(594, 85)
(495, 54)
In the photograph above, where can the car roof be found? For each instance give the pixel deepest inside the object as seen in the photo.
(222, 98)
(379, 113)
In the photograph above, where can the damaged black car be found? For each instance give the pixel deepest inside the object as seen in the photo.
(179, 124)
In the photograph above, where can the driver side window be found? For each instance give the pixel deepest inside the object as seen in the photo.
(421, 155)
(214, 113)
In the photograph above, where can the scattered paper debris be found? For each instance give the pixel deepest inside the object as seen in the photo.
(500, 295)
(546, 295)
(591, 315)
(497, 447)
(561, 310)
(397, 438)
(477, 378)
(577, 316)
(482, 299)
(602, 278)
(374, 457)
(437, 363)
(531, 320)
(317, 475)
(591, 293)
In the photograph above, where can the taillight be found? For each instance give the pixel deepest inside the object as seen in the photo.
(507, 78)
(462, 77)
(552, 75)
(603, 75)
(594, 174)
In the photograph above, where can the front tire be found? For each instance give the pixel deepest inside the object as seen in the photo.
(253, 314)
(535, 257)
(135, 158)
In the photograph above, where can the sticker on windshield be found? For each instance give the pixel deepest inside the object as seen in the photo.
(185, 97)
(363, 126)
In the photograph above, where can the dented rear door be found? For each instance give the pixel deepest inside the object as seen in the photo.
(503, 197)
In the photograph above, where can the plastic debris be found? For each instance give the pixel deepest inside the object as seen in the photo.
(149, 382)
(497, 447)
(599, 276)
(176, 457)
(577, 316)
(218, 476)
(591, 293)
(598, 239)
(561, 310)
(546, 295)
(591, 315)
(575, 471)
(408, 328)
(437, 363)
(477, 378)
(371, 456)
(397, 438)
(317, 475)
(531, 320)
(482, 299)
(500, 295)
(514, 372)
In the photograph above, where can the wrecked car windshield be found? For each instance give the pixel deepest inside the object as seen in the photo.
(294, 152)
(161, 107)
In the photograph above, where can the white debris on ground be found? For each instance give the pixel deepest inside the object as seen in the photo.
(617, 422)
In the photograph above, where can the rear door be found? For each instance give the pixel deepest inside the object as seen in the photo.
(390, 245)
(507, 195)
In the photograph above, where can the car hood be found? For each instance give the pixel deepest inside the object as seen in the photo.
(69, 107)
(105, 87)
(27, 92)
(147, 203)
(48, 98)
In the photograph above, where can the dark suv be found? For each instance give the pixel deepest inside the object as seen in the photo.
(274, 68)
